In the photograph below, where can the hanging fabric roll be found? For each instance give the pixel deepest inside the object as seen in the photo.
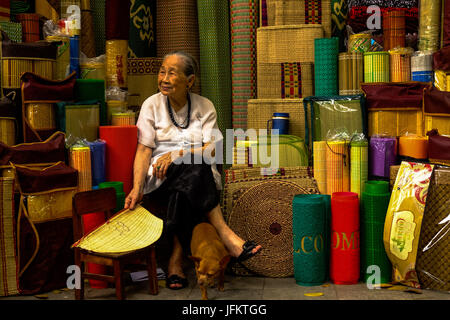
(80, 159)
(177, 29)
(400, 65)
(345, 241)
(383, 155)
(117, 63)
(311, 215)
(30, 26)
(98, 149)
(429, 25)
(87, 30)
(243, 25)
(326, 53)
(320, 165)
(394, 29)
(376, 66)
(338, 164)
(121, 147)
(214, 37)
(374, 205)
(351, 73)
(422, 66)
(359, 162)
(117, 20)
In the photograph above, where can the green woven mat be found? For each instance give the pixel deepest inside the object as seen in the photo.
(326, 53)
(98, 15)
(215, 61)
(13, 30)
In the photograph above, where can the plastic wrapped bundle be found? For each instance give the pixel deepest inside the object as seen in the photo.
(351, 73)
(429, 25)
(376, 66)
(326, 53)
(383, 154)
(41, 115)
(374, 204)
(320, 165)
(422, 66)
(61, 70)
(338, 167)
(311, 214)
(400, 65)
(359, 42)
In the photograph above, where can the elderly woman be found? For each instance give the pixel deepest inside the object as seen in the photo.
(175, 126)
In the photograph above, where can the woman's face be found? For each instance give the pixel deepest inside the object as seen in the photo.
(172, 81)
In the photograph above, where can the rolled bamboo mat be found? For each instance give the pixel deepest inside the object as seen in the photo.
(123, 119)
(285, 80)
(142, 39)
(8, 260)
(326, 53)
(80, 159)
(287, 43)
(338, 167)
(121, 143)
(41, 115)
(413, 146)
(351, 73)
(30, 26)
(359, 166)
(261, 110)
(215, 59)
(115, 106)
(359, 42)
(310, 227)
(383, 155)
(292, 12)
(87, 30)
(61, 69)
(400, 66)
(376, 66)
(345, 239)
(98, 15)
(92, 70)
(374, 205)
(394, 29)
(8, 130)
(243, 24)
(116, 63)
(422, 66)
(320, 165)
(177, 29)
(117, 20)
(429, 25)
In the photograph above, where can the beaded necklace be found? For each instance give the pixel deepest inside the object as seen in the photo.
(188, 115)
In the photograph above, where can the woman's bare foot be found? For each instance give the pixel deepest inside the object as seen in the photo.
(175, 266)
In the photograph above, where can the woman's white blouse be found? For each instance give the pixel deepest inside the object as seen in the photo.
(156, 130)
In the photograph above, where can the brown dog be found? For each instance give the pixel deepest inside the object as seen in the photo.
(210, 257)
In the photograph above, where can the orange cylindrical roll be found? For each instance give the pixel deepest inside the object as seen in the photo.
(123, 119)
(80, 159)
(338, 167)
(413, 146)
(400, 66)
(394, 29)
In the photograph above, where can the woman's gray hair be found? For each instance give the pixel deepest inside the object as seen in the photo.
(190, 64)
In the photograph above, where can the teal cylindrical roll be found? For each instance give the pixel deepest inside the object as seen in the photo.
(310, 227)
(120, 195)
(374, 204)
(326, 54)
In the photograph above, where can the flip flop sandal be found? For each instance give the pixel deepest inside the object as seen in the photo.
(174, 279)
(248, 246)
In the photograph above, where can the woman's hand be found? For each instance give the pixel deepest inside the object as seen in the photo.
(134, 197)
(162, 164)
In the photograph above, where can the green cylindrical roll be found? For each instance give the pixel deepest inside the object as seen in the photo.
(374, 205)
(120, 195)
(326, 52)
(92, 89)
(311, 214)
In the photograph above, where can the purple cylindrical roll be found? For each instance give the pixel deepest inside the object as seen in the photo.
(382, 155)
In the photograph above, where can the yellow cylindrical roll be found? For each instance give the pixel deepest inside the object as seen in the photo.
(320, 165)
(80, 159)
(116, 63)
(44, 68)
(429, 25)
(351, 73)
(338, 167)
(41, 115)
(413, 146)
(12, 69)
(376, 66)
(123, 119)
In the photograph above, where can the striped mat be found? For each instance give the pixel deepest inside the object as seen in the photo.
(177, 29)
(213, 21)
(244, 22)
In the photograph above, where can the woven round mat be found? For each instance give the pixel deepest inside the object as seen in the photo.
(264, 214)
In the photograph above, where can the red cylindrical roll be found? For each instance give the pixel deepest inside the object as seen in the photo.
(90, 222)
(121, 143)
(345, 253)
